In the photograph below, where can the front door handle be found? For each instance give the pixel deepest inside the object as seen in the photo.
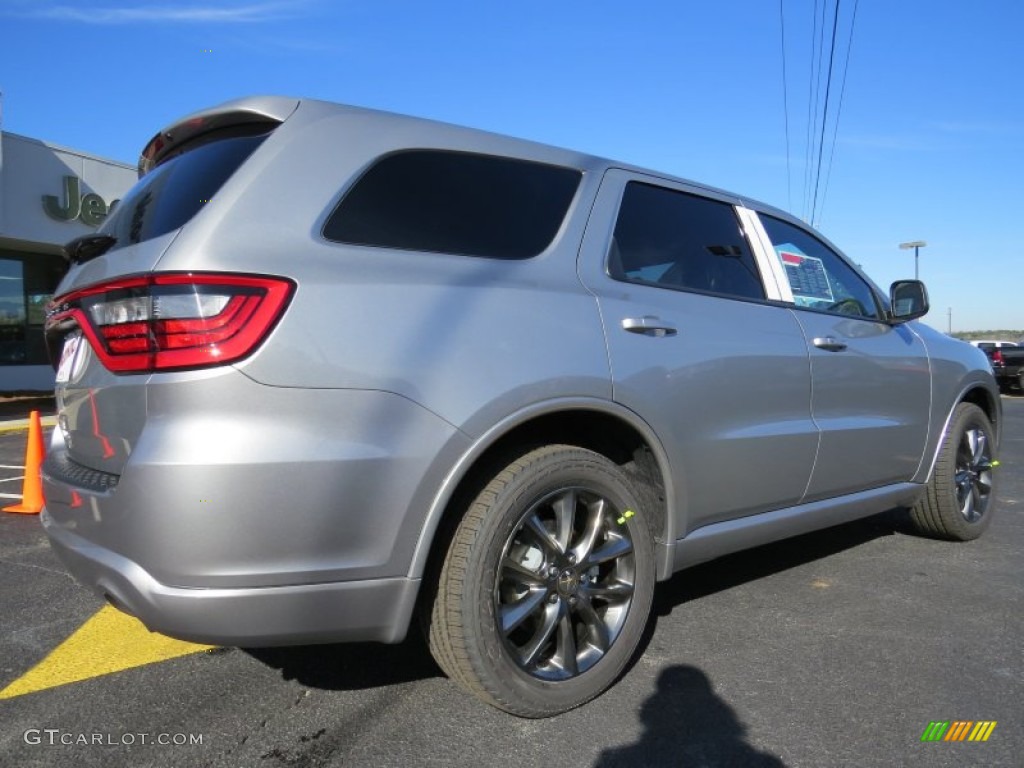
(648, 325)
(829, 344)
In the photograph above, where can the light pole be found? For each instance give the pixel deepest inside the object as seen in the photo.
(917, 245)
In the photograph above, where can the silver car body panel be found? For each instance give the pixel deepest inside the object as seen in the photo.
(294, 496)
(696, 384)
(745, 532)
(232, 483)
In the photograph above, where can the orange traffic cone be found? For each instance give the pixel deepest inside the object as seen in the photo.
(32, 487)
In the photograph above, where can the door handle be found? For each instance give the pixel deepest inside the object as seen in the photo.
(829, 344)
(648, 325)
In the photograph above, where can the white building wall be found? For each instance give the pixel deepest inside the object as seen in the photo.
(31, 170)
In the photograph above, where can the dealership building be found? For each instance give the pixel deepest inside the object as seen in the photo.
(48, 196)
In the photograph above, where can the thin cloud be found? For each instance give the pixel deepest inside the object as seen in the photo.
(201, 14)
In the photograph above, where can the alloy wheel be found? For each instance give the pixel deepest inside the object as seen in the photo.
(973, 474)
(565, 583)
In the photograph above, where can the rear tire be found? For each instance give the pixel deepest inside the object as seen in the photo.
(959, 501)
(547, 584)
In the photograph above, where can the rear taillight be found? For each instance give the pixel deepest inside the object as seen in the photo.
(997, 357)
(173, 321)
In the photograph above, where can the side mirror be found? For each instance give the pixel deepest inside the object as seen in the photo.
(908, 300)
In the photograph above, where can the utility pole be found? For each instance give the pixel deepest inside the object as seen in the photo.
(950, 326)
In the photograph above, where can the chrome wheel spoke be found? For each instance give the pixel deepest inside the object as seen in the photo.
(543, 535)
(518, 573)
(595, 520)
(964, 486)
(566, 655)
(598, 630)
(614, 591)
(532, 648)
(516, 613)
(967, 505)
(979, 444)
(565, 517)
(616, 547)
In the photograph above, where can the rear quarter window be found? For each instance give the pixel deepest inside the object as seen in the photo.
(455, 202)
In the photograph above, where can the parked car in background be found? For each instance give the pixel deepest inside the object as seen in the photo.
(992, 344)
(326, 368)
(1007, 361)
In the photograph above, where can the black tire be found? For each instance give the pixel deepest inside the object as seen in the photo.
(547, 584)
(960, 497)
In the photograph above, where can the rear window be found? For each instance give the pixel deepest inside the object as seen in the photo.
(455, 202)
(172, 193)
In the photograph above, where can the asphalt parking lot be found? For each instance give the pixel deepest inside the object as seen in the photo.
(833, 649)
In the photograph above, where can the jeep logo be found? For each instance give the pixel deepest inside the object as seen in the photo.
(90, 208)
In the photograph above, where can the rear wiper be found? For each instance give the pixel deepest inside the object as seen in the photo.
(86, 247)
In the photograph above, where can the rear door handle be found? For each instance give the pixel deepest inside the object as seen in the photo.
(648, 325)
(829, 344)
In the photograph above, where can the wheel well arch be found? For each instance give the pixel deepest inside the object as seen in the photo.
(982, 398)
(608, 434)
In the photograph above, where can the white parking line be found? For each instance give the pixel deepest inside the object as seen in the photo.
(11, 479)
(10, 495)
(11, 466)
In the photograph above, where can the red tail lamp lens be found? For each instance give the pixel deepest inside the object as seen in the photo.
(173, 321)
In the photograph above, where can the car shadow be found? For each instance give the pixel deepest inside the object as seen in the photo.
(356, 666)
(757, 563)
(352, 666)
(753, 564)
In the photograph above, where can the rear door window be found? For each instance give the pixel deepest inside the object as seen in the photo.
(676, 240)
(456, 202)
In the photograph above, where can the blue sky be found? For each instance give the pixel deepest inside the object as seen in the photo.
(930, 143)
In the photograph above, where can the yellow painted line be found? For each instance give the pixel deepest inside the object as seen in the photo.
(21, 425)
(109, 642)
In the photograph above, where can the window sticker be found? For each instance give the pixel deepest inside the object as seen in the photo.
(807, 276)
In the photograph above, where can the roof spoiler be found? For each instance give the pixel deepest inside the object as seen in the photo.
(253, 113)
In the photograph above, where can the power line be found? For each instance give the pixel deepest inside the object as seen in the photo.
(785, 106)
(812, 102)
(819, 103)
(839, 109)
(824, 112)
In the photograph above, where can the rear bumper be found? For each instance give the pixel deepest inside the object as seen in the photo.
(369, 610)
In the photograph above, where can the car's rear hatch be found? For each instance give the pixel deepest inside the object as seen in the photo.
(114, 321)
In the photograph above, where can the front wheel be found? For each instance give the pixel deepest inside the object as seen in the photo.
(547, 584)
(959, 501)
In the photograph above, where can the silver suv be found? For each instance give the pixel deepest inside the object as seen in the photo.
(325, 369)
